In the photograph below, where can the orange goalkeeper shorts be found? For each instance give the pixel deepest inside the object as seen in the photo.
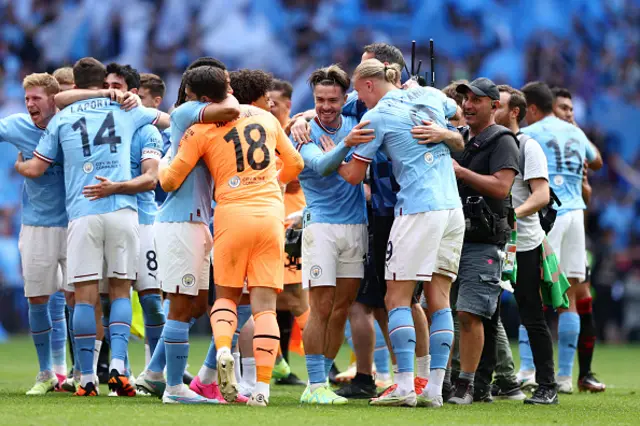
(251, 247)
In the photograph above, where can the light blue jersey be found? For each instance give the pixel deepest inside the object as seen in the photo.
(566, 147)
(424, 172)
(192, 201)
(146, 144)
(43, 198)
(95, 137)
(330, 199)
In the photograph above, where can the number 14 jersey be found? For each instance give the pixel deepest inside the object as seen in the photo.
(95, 137)
(566, 147)
(241, 156)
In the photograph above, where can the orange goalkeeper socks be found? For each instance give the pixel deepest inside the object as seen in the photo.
(266, 342)
(224, 321)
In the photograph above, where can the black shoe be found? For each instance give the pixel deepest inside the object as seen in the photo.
(187, 378)
(590, 383)
(508, 391)
(543, 396)
(361, 387)
(291, 379)
(447, 391)
(103, 373)
(462, 393)
(333, 373)
(482, 394)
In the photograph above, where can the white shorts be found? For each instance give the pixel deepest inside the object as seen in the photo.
(43, 251)
(103, 245)
(184, 256)
(147, 264)
(331, 251)
(424, 244)
(568, 242)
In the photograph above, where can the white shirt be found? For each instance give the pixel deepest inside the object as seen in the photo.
(530, 233)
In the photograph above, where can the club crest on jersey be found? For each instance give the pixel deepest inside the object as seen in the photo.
(558, 180)
(315, 272)
(87, 167)
(234, 182)
(188, 280)
(428, 158)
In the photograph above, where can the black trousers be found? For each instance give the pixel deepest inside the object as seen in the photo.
(527, 294)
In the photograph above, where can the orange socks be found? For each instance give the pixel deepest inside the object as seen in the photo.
(266, 342)
(224, 321)
(302, 319)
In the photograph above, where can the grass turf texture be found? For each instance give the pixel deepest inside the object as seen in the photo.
(616, 366)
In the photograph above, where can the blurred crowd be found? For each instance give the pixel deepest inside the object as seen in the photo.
(592, 47)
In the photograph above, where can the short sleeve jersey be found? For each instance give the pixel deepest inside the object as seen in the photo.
(146, 145)
(95, 137)
(566, 147)
(43, 198)
(424, 172)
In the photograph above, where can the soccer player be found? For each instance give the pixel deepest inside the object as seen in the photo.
(566, 148)
(95, 138)
(294, 299)
(563, 109)
(146, 152)
(183, 246)
(42, 239)
(152, 90)
(426, 237)
(250, 87)
(241, 158)
(64, 76)
(334, 239)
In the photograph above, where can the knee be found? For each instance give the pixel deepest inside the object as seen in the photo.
(467, 320)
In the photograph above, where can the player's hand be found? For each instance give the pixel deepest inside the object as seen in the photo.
(457, 169)
(327, 143)
(358, 135)
(130, 101)
(301, 131)
(114, 94)
(428, 132)
(410, 84)
(18, 162)
(99, 190)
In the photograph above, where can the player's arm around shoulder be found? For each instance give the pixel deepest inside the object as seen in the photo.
(292, 162)
(43, 155)
(367, 136)
(150, 155)
(224, 111)
(192, 147)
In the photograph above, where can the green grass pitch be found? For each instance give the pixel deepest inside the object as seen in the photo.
(617, 366)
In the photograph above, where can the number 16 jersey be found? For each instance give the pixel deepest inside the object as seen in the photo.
(95, 137)
(241, 156)
(566, 147)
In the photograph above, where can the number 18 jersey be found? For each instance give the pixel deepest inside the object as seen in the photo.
(566, 147)
(95, 137)
(241, 156)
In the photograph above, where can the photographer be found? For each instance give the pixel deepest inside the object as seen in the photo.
(485, 171)
(530, 195)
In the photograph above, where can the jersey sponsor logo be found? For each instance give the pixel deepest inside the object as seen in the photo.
(315, 272)
(234, 182)
(558, 180)
(87, 167)
(188, 280)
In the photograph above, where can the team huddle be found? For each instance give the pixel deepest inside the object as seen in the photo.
(385, 182)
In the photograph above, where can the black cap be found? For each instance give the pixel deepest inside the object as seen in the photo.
(480, 87)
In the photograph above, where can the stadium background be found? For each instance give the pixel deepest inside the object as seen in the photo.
(591, 47)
